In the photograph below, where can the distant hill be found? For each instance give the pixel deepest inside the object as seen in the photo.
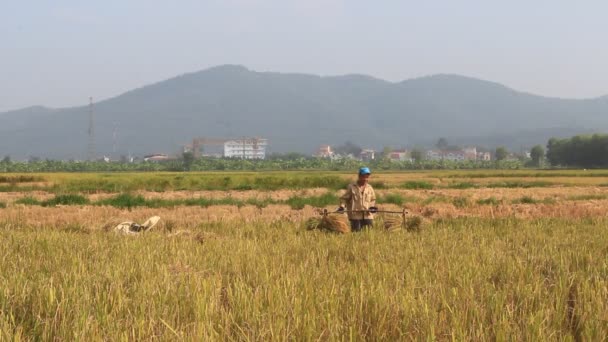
(298, 112)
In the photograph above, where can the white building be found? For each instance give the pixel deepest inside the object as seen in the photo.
(368, 155)
(470, 153)
(485, 156)
(248, 148)
(452, 155)
(324, 151)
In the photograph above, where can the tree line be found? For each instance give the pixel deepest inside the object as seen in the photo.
(587, 151)
(274, 164)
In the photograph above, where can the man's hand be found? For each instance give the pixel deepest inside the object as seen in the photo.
(340, 209)
(373, 210)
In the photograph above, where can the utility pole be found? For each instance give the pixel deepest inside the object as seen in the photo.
(115, 139)
(92, 151)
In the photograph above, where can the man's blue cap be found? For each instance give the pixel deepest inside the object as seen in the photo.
(364, 171)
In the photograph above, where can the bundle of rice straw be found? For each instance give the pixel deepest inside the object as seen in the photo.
(411, 224)
(331, 223)
(393, 223)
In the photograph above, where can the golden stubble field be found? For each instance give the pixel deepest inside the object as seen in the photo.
(574, 202)
(502, 256)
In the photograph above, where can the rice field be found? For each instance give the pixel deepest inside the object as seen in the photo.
(500, 255)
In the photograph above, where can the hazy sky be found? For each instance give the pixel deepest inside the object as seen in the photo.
(60, 52)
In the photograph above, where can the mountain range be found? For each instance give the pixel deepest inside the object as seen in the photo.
(299, 112)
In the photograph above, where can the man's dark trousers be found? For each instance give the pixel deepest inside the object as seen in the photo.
(358, 225)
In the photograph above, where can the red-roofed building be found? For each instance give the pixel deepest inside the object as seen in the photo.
(399, 155)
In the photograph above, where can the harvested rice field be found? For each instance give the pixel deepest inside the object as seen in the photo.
(481, 255)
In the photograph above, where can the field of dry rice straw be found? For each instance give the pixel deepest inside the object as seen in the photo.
(501, 255)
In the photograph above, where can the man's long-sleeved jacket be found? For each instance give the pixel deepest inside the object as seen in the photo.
(358, 198)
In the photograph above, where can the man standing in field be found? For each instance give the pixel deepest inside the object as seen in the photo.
(359, 201)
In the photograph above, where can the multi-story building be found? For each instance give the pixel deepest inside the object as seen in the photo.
(454, 155)
(470, 153)
(247, 148)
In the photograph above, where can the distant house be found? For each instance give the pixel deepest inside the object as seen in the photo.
(368, 155)
(399, 155)
(484, 156)
(467, 153)
(452, 155)
(470, 153)
(434, 154)
(324, 151)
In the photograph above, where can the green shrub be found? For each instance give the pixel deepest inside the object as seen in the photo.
(125, 200)
(549, 200)
(379, 185)
(519, 184)
(530, 200)
(587, 197)
(525, 200)
(435, 199)
(416, 185)
(20, 179)
(260, 203)
(2, 205)
(489, 201)
(208, 202)
(243, 187)
(460, 202)
(68, 199)
(8, 188)
(392, 198)
(463, 185)
(298, 202)
(28, 200)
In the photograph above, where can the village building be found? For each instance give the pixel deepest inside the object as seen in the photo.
(324, 151)
(484, 156)
(368, 155)
(399, 155)
(254, 148)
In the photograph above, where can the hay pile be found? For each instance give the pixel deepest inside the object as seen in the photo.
(329, 223)
(393, 223)
(410, 224)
